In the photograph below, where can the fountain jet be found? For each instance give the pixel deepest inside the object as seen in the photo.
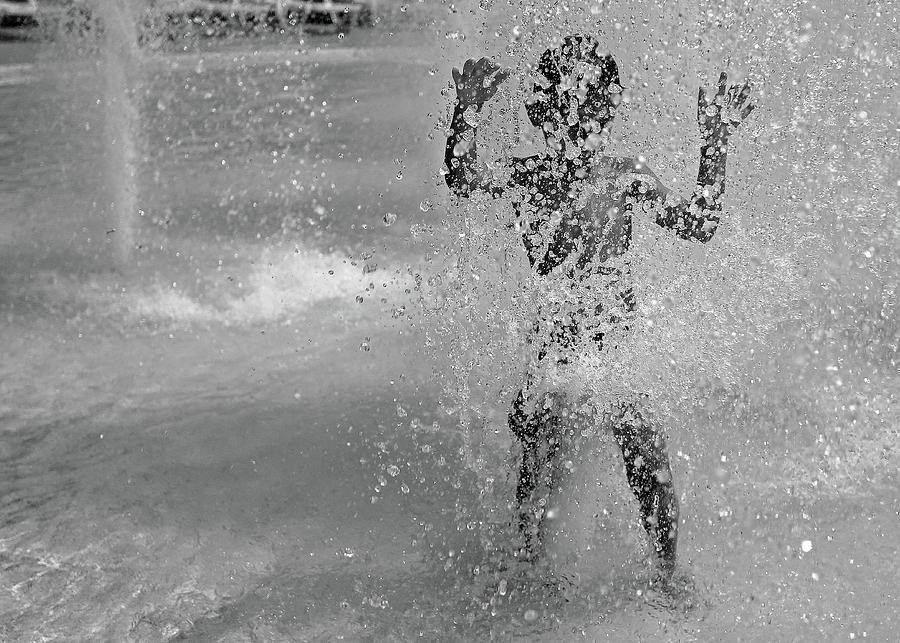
(120, 58)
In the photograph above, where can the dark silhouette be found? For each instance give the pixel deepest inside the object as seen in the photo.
(574, 206)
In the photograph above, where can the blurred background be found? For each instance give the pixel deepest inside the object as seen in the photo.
(257, 363)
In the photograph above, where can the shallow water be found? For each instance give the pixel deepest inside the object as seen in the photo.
(219, 441)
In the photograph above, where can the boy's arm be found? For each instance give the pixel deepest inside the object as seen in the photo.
(475, 85)
(698, 218)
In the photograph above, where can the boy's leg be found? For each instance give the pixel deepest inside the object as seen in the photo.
(538, 432)
(650, 477)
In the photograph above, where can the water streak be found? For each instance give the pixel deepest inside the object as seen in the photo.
(120, 66)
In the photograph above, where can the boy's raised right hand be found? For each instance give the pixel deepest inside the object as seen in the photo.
(477, 82)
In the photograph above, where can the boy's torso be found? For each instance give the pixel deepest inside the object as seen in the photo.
(574, 216)
(573, 228)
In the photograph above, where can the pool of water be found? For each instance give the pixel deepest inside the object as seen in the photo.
(243, 433)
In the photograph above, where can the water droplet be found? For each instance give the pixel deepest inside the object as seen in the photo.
(393, 470)
(461, 148)
(389, 218)
(530, 615)
(502, 588)
(594, 141)
(426, 205)
(806, 546)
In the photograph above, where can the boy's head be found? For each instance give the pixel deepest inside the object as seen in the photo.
(575, 92)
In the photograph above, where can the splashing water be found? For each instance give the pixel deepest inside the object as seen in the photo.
(767, 345)
(247, 420)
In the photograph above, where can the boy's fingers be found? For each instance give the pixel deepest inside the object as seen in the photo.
(467, 67)
(701, 98)
(723, 81)
(746, 111)
(456, 75)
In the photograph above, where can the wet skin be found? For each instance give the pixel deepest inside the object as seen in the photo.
(574, 206)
